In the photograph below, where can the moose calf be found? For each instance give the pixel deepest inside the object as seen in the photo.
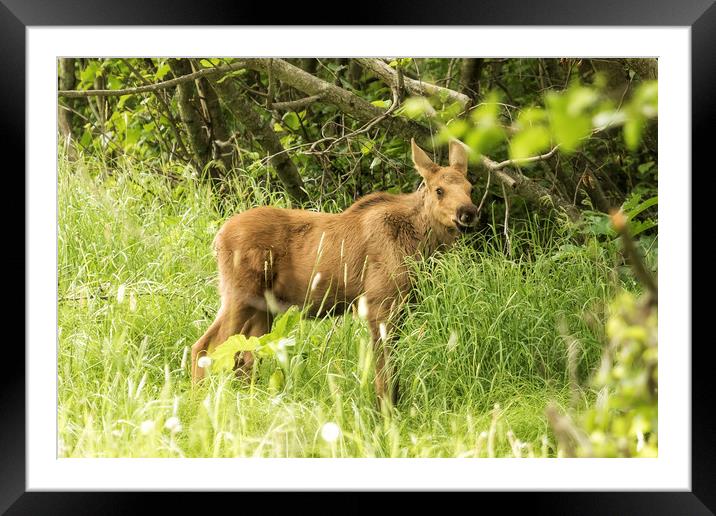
(327, 261)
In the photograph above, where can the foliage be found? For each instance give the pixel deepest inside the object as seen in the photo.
(521, 108)
(567, 120)
(273, 344)
(624, 421)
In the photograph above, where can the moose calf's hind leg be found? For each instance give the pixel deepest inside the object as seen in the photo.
(201, 346)
(256, 326)
(228, 322)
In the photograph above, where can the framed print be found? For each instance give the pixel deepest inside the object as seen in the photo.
(367, 258)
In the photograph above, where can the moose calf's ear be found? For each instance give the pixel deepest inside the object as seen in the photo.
(423, 163)
(458, 156)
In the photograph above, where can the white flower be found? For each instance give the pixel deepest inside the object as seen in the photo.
(383, 332)
(452, 341)
(315, 281)
(146, 426)
(363, 307)
(330, 432)
(173, 424)
(132, 301)
(204, 362)
(285, 342)
(120, 293)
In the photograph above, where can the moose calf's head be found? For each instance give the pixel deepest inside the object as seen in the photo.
(447, 196)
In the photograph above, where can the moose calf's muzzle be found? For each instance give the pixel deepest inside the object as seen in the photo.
(467, 214)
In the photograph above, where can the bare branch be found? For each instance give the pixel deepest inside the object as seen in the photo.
(515, 162)
(343, 99)
(267, 138)
(619, 221)
(204, 72)
(390, 76)
(530, 189)
(295, 105)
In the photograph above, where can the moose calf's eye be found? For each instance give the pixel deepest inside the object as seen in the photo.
(439, 191)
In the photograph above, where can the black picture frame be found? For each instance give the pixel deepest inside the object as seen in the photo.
(17, 15)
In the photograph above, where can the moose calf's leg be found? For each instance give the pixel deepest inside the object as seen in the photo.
(386, 384)
(256, 326)
(200, 347)
(229, 321)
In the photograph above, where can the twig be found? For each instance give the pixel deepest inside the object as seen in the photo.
(270, 93)
(204, 72)
(487, 189)
(507, 220)
(295, 105)
(366, 127)
(388, 74)
(492, 165)
(619, 221)
(167, 112)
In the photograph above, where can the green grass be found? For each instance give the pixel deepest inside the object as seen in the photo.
(137, 286)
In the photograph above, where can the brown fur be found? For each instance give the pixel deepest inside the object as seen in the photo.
(361, 251)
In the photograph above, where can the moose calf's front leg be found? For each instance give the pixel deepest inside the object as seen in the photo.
(386, 383)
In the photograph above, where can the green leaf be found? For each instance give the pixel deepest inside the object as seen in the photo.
(223, 356)
(646, 167)
(482, 139)
(131, 135)
(633, 129)
(487, 112)
(530, 142)
(640, 226)
(579, 99)
(568, 126)
(113, 83)
(276, 381)
(366, 147)
(291, 121)
(88, 75)
(530, 116)
(414, 107)
(210, 63)
(631, 213)
(162, 71)
(286, 323)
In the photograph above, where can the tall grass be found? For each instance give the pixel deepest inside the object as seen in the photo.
(478, 347)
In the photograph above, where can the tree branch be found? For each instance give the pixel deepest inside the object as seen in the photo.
(530, 189)
(267, 138)
(296, 105)
(492, 165)
(619, 221)
(204, 72)
(391, 77)
(344, 100)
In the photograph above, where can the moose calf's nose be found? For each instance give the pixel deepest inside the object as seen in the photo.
(467, 214)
